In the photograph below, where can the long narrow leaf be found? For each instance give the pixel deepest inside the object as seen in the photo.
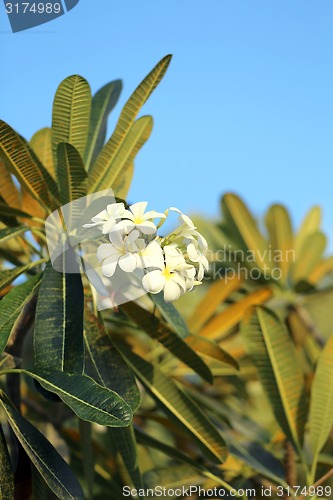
(125, 122)
(244, 225)
(176, 402)
(71, 113)
(168, 338)
(321, 404)
(281, 237)
(22, 164)
(71, 174)
(88, 400)
(103, 103)
(274, 356)
(41, 143)
(10, 232)
(8, 190)
(221, 324)
(45, 458)
(113, 165)
(107, 365)
(12, 305)
(6, 470)
(217, 293)
(7, 276)
(170, 314)
(58, 335)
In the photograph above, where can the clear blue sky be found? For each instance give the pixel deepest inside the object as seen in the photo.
(246, 105)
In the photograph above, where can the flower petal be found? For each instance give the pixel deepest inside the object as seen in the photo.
(109, 266)
(127, 262)
(138, 209)
(154, 281)
(147, 227)
(172, 291)
(109, 225)
(105, 250)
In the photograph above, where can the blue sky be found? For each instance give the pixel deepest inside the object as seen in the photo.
(246, 105)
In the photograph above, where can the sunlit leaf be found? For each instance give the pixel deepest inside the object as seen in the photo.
(71, 114)
(22, 164)
(281, 237)
(71, 174)
(217, 293)
(274, 356)
(221, 323)
(41, 143)
(103, 103)
(321, 403)
(110, 152)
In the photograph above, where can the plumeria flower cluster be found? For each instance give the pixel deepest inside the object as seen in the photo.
(173, 264)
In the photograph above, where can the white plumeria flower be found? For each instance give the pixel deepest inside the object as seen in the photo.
(139, 219)
(183, 219)
(150, 255)
(195, 254)
(168, 278)
(108, 218)
(121, 251)
(189, 276)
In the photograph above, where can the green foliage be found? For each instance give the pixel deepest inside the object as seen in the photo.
(231, 387)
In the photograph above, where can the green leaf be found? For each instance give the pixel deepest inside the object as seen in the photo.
(71, 114)
(71, 174)
(13, 212)
(44, 457)
(125, 442)
(170, 314)
(274, 356)
(110, 152)
(210, 349)
(309, 256)
(9, 275)
(8, 190)
(281, 237)
(151, 325)
(310, 225)
(246, 230)
(6, 470)
(107, 366)
(58, 335)
(103, 103)
(88, 400)
(123, 180)
(22, 164)
(175, 402)
(171, 451)
(321, 404)
(13, 304)
(41, 143)
(110, 166)
(11, 232)
(87, 455)
(39, 488)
